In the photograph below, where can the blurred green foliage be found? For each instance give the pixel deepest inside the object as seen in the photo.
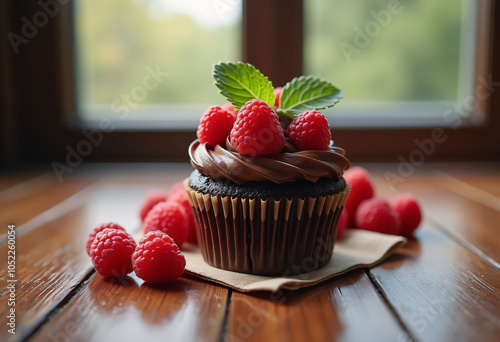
(118, 39)
(414, 57)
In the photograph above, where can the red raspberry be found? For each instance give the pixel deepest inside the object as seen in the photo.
(215, 126)
(277, 94)
(310, 131)
(408, 210)
(153, 197)
(169, 217)
(376, 214)
(181, 197)
(257, 130)
(98, 229)
(229, 107)
(361, 189)
(177, 187)
(341, 226)
(157, 259)
(111, 252)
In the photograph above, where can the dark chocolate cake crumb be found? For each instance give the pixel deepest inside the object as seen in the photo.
(299, 188)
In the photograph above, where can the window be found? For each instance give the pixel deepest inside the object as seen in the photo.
(398, 62)
(428, 60)
(140, 59)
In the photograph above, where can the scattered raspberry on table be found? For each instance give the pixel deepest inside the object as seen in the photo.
(111, 252)
(153, 197)
(408, 210)
(361, 190)
(177, 187)
(181, 197)
(342, 224)
(99, 229)
(170, 218)
(376, 214)
(157, 258)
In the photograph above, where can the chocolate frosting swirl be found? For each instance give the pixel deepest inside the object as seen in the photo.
(290, 165)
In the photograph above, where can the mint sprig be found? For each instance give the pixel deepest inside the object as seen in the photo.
(307, 93)
(240, 83)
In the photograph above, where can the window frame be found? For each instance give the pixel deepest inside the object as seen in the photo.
(42, 100)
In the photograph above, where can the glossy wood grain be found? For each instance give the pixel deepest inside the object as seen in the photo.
(483, 189)
(48, 272)
(442, 291)
(41, 198)
(127, 309)
(18, 179)
(443, 286)
(483, 177)
(345, 309)
(161, 175)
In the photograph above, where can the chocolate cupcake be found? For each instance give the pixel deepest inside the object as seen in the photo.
(266, 215)
(271, 210)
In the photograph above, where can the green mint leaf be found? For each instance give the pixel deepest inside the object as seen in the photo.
(240, 83)
(307, 93)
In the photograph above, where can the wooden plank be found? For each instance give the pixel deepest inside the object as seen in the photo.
(46, 269)
(130, 310)
(345, 309)
(161, 175)
(46, 192)
(489, 183)
(51, 259)
(33, 203)
(441, 290)
(9, 180)
(482, 176)
(484, 189)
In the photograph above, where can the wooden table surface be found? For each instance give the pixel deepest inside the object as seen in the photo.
(443, 286)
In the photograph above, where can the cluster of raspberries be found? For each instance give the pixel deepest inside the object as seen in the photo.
(363, 210)
(255, 129)
(168, 223)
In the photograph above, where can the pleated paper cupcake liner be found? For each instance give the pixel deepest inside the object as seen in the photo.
(266, 236)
